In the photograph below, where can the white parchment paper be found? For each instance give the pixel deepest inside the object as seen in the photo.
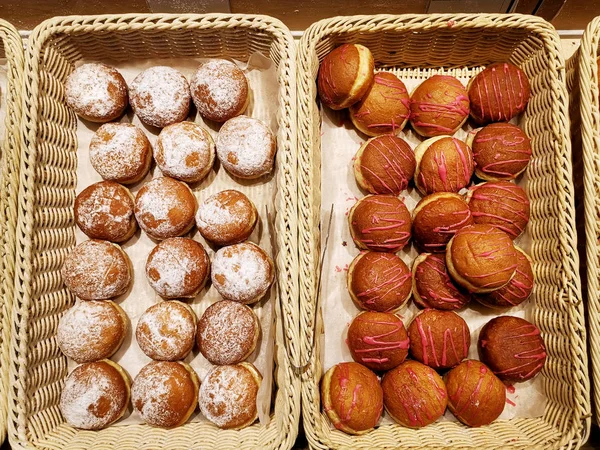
(263, 105)
(339, 143)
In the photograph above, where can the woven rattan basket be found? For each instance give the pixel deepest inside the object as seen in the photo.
(45, 231)
(582, 83)
(12, 51)
(412, 44)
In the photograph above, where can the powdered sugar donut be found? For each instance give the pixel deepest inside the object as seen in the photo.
(95, 395)
(120, 152)
(228, 395)
(165, 393)
(246, 147)
(96, 92)
(242, 272)
(165, 208)
(97, 270)
(178, 268)
(160, 96)
(92, 330)
(220, 90)
(105, 211)
(226, 218)
(227, 332)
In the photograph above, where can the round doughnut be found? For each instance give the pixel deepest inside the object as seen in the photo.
(165, 393)
(166, 331)
(228, 395)
(498, 93)
(380, 223)
(96, 92)
(246, 147)
(97, 270)
(91, 330)
(384, 109)
(227, 332)
(120, 152)
(242, 272)
(345, 75)
(95, 395)
(481, 258)
(384, 165)
(226, 218)
(165, 208)
(220, 90)
(177, 268)
(160, 96)
(379, 282)
(185, 151)
(104, 210)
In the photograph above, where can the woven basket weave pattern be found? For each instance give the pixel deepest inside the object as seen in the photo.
(45, 232)
(413, 43)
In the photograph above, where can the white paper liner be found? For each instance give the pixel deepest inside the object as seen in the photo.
(339, 143)
(262, 77)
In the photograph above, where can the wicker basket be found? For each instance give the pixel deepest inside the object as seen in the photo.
(582, 84)
(12, 51)
(413, 44)
(45, 229)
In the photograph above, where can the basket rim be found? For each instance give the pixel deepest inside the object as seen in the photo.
(287, 421)
(370, 24)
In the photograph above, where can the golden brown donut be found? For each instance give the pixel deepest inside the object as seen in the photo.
(104, 210)
(345, 75)
(165, 208)
(160, 96)
(92, 330)
(220, 90)
(165, 393)
(185, 151)
(120, 152)
(228, 395)
(95, 395)
(439, 106)
(352, 397)
(226, 218)
(481, 258)
(384, 109)
(178, 268)
(97, 270)
(227, 332)
(96, 92)
(166, 331)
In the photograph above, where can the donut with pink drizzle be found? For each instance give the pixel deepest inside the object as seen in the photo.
(498, 93)
(517, 290)
(444, 164)
(432, 286)
(378, 340)
(513, 348)
(384, 165)
(352, 397)
(439, 106)
(385, 107)
(414, 394)
(436, 218)
(379, 281)
(439, 339)
(481, 258)
(380, 223)
(501, 151)
(501, 204)
(345, 75)
(476, 396)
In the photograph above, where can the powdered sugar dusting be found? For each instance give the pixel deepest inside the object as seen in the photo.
(224, 215)
(246, 147)
(242, 272)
